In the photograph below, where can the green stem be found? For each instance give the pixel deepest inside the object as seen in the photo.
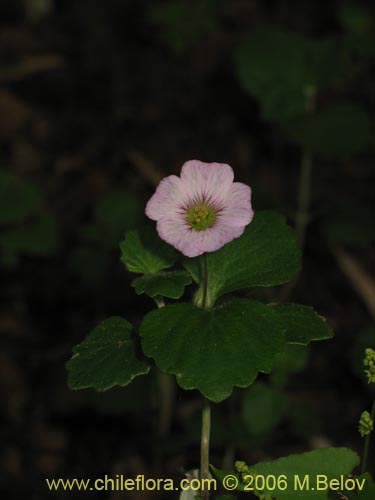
(205, 448)
(206, 412)
(367, 443)
(204, 279)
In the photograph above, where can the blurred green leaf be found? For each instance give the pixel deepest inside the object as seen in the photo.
(292, 360)
(144, 252)
(263, 408)
(117, 212)
(272, 66)
(303, 417)
(338, 132)
(107, 357)
(38, 237)
(19, 199)
(354, 17)
(184, 23)
(165, 283)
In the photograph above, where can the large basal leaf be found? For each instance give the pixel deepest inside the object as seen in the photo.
(265, 255)
(169, 284)
(214, 350)
(272, 66)
(302, 324)
(338, 132)
(330, 463)
(144, 252)
(107, 357)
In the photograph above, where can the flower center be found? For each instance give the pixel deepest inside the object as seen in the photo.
(201, 216)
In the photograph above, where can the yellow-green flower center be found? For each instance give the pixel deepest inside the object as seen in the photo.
(201, 216)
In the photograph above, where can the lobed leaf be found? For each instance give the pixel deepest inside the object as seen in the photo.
(214, 350)
(265, 255)
(169, 284)
(107, 357)
(144, 252)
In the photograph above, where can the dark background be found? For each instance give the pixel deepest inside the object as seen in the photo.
(99, 101)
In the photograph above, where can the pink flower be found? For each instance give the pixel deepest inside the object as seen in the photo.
(202, 210)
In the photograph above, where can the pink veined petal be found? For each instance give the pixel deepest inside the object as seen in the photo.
(217, 236)
(178, 233)
(208, 182)
(237, 210)
(193, 243)
(168, 197)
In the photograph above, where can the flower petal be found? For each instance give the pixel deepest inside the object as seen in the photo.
(169, 196)
(193, 243)
(178, 233)
(237, 209)
(207, 182)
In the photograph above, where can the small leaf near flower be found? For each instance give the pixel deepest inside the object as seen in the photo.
(107, 357)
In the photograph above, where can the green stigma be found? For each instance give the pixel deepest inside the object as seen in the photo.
(201, 216)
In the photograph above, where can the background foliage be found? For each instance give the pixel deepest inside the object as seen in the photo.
(96, 105)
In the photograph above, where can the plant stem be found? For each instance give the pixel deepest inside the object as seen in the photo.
(205, 279)
(367, 443)
(206, 411)
(205, 448)
(159, 301)
(166, 392)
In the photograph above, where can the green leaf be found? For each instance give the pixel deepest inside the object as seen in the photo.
(183, 24)
(37, 238)
(272, 66)
(338, 132)
(354, 18)
(107, 357)
(117, 212)
(169, 284)
(328, 462)
(302, 324)
(19, 199)
(144, 252)
(365, 493)
(212, 351)
(265, 255)
(263, 409)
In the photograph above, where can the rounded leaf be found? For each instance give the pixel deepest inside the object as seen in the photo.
(107, 357)
(214, 350)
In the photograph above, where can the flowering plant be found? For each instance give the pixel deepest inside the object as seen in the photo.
(207, 236)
